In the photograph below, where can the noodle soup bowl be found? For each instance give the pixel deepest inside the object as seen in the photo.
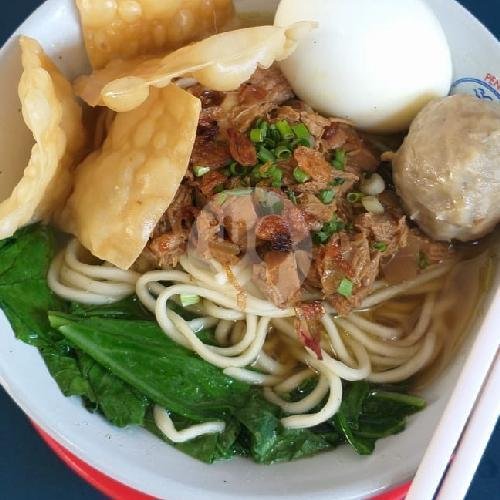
(138, 459)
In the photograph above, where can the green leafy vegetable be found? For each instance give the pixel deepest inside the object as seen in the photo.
(269, 442)
(128, 308)
(64, 368)
(208, 448)
(143, 356)
(367, 414)
(118, 402)
(25, 296)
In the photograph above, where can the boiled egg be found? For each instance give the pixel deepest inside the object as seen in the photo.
(376, 63)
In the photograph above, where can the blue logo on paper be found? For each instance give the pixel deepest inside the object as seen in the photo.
(476, 87)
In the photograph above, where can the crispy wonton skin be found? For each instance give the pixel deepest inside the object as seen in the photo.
(221, 62)
(54, 117)
(122, 29)
(122, 190)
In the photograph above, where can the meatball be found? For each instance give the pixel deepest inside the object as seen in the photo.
(447, 171)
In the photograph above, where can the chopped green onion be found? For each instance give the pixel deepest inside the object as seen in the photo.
(257, 135)
(326, 196)
(188, 299)
(339, 159)
(274, 133)
(345, 288)
(271, 171)
(265, 155)
(276, 176)
(423, 260)
(236, 169)
(328, 230)
(292, 196)
(269, 143)
(264, 126)
(200, 171)
(380, 246)
(255, 173)
(354, 197)
(338, 181)
(302, 142)
(283, 152)
(300, 176)
(266, 170)
(285, 130)
(301, 131)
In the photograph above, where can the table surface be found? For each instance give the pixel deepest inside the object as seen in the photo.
(29, 470)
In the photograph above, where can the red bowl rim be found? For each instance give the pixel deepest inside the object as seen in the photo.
(114, 489)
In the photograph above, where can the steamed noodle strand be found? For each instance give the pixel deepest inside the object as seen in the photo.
(355, 347)
(165, 424)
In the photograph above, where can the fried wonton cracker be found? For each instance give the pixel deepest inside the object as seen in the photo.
(54, 117)
(221, 62)
(123, 189)
(121, 29)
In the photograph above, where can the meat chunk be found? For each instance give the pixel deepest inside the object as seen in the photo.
(315, 123)
(334, 136)
(313, 163)
(265, 90)
(168, 248)
(241, 148)
(431, 252)
(210, 153)
(361, 158)
(347, 257)
(278, 278)
(239, 218)
(179, 215)
(210, 181)
(208, 229)
(316, 212)
(288, 113)
(272, 87)
(181, 212)
(384, 228)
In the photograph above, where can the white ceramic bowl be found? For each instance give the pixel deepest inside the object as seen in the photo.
(136, 458)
